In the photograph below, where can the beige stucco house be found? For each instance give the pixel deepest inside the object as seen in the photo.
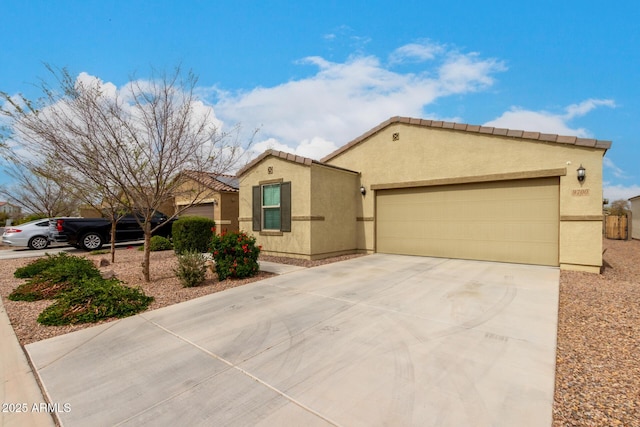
(430, 188)
(216, 197)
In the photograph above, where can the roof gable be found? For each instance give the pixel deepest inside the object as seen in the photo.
(288, 157)
(216, 182)
(508, 133)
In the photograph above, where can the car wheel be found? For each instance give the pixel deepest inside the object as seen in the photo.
(38, 242)
(91, 242)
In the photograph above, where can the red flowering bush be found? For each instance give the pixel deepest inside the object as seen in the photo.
(236, 255)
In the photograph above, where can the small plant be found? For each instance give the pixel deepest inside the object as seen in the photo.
(235, 255)
(95, 300)
(158, 243)
(192, 233)
(192, 268)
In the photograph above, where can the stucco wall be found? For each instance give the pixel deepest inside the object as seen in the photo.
(296, 243)
(422, 154)
(635, 217)
(322, 225)
(226, 213)
(335, 194)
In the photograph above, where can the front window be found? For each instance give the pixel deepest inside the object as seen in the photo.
(271, 207)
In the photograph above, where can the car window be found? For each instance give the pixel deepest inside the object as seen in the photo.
(43, 224)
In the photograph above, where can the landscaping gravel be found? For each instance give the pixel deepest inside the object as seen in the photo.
(598, 349)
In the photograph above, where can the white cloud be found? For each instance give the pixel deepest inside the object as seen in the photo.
(615, 170)
(344, 99)
(618, 191)
(416, 52)
(547, 122)
(578, 110)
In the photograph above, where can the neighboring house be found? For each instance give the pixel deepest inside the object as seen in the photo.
(217, 198)
(12, 211)
(635, 217)
(431, 188)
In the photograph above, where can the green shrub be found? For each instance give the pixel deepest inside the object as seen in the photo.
(235, 255)
(158, 243)
(191, 269)
(37, 266)
(192, 233)
(53, 275)
(96, 299)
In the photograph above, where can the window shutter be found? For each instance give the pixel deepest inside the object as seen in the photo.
(285, 206)
(257, 209)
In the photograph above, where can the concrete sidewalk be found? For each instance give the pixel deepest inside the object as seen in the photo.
(19, 391)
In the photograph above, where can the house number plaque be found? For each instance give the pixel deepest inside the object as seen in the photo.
(270, 170)
(580, 192)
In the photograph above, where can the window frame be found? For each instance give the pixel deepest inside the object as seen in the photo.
(285, 207)
(264, 208)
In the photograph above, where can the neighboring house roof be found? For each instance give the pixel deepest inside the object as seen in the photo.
(633, 198)
(289, 157)
(509, 133)
(216, 182)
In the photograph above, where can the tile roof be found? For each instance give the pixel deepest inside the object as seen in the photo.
(285, 156)
(216, 182)
(509, 133)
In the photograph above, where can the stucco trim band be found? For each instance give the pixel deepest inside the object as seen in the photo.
(581, 217)
(271, 233)
(308, 218)
(544, 173)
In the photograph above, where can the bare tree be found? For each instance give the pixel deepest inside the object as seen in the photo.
(34, 191)
(619, 207)
(137, 139)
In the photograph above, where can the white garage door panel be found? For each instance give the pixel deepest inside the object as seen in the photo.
(510, 221)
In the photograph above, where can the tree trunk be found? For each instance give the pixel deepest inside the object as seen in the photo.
(147, 252)
(113, 242)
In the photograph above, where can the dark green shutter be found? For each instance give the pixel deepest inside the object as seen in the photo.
(257, 209)
(285, 206)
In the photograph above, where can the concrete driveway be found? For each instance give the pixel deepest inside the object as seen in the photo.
(376, 340)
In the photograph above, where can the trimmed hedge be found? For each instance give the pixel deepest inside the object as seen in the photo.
(192, 234)
(158, 243)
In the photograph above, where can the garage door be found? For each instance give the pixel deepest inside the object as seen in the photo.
(203, 209)
(508, 221)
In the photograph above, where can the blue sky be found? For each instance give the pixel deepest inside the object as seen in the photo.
(314, 75)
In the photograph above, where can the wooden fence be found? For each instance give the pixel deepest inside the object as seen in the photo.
(616, 227)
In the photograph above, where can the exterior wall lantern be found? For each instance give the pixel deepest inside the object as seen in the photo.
(363, 190)
(582, 173)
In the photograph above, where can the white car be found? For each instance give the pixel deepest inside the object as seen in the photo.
(33, 234)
